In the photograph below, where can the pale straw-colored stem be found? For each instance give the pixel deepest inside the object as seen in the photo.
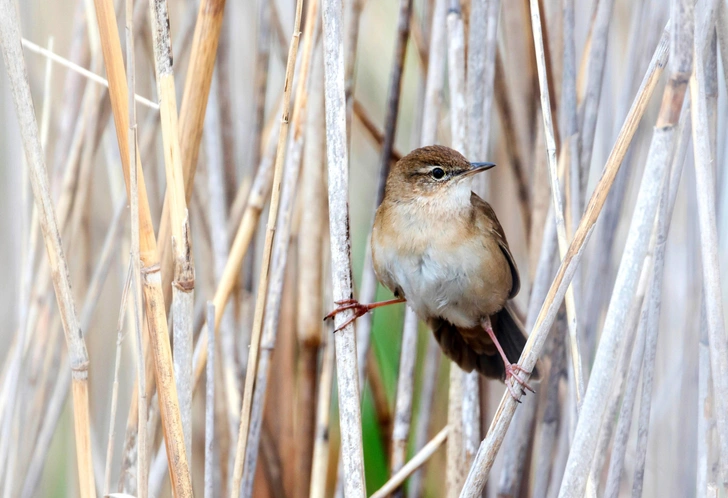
(337, 159)
(416, 462)
(556, 194)
(404, 396)
(456, 463)
(705, 188)
(51, 56)
(245, 411)
(210, 404)
(17, 73)
(280, 251)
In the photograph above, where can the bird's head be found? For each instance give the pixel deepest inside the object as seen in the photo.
(431, 173)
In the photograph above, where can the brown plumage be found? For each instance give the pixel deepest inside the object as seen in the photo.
(440, 247)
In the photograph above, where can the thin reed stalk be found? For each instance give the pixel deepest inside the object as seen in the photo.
(311, 246)
(458, 120)
(191, 118)
(337, 159)
(556, 195)
(17, 73)
(184, 273)
(320, 461)
(152, 282)
(417, 461)
(404, 396)
(115, 389)
(245, 412)
(705, 188)
(210, 404)
(279, 257)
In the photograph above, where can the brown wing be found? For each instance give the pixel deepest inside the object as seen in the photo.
(496, 228)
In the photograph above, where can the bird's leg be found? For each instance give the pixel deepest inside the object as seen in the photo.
(358, 308)
(511, 368)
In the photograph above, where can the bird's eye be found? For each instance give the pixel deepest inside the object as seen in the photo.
(438, 173)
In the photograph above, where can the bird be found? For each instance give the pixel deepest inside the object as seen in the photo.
(439, 247)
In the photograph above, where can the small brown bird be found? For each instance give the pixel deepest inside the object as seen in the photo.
(440, 247)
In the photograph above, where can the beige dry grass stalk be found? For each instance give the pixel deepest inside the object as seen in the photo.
(184, 273)
(337, 159)
(15, 64)
(152, 281)
(265, 266)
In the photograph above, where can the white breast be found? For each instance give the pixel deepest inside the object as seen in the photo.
(434, 281)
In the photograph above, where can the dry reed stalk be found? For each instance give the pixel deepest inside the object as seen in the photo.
(191, 120)
(141, 388)
(600, 265)
(490, 445)
(590, 105)
(210, 403)
(152, 284)
(184, 273)
(551, 418)
(427, 395)
(62, 385)
(480, 60)
(556, 195)
(89, 75)
(722, 31)
(705, 188)
(653, 303)
(518, 438)
(458, 120)
(262, 62)
(405, 387)
(628, 387)
(368, 287)
(15, 376)
(482, 52)
(413, 464)
(311, 246)
(320, 461)
(115, 388)
(73, 87)
(613, 333)
(372, 130)
(253, 208)
(245, 412)
(345, 341)
(280, 250)
(616, 400)
(352, 14)
(510, 136)
(218, 216)
(393, 95)
(17, 73)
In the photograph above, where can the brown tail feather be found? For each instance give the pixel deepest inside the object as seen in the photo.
(472, 349)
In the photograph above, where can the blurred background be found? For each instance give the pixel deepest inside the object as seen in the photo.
(233, 132)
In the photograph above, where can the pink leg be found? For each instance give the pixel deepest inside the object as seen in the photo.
(358, 308)
(511, 369)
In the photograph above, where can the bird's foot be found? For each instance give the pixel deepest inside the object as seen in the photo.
(349, 304)
(512, 371)
(358, 309)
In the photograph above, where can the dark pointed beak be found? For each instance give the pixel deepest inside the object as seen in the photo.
(476, 168)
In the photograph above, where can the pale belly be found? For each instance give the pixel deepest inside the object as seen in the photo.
(450, 284)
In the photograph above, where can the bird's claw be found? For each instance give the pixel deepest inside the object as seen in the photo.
(512, 371)
(348, 304)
